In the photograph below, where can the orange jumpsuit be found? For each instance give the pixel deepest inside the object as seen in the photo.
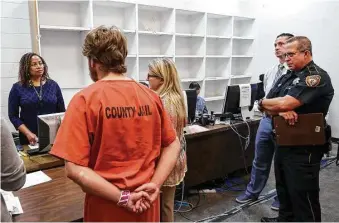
(117, 128)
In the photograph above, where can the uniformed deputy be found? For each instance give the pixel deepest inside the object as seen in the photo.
(306, 88)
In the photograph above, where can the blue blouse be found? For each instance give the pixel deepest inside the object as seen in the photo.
(24, 99)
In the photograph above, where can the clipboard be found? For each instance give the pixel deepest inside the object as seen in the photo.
(308, 131)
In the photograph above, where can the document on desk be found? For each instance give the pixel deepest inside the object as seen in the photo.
(36, 178)
(195, 129)
(12, 203)
(245, 95)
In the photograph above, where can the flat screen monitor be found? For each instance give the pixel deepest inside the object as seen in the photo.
(48, 126)
(191, 95)
(232, 99)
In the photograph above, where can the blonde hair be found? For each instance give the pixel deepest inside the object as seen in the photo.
(107, 46)
(171, 90)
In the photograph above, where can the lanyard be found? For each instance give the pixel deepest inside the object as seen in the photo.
(39, 94)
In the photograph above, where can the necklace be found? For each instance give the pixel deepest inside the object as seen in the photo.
(39, 94)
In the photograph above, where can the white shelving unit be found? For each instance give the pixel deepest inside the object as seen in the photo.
(213, 50)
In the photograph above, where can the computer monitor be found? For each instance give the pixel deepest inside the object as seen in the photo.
(191, 95)
(232, 98)
(48, 126)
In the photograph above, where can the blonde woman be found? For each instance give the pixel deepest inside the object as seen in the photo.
(163, 78)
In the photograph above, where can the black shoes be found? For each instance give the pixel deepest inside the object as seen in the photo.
(265, 219)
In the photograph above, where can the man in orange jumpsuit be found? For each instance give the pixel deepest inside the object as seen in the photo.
(116, 138)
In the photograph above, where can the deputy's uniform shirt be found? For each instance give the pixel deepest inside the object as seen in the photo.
(311, 85)
(117, 128)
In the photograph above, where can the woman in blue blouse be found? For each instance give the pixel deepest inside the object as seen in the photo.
(35, 94)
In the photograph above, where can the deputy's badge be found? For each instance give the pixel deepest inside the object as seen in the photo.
(313, 80)
(296, 81)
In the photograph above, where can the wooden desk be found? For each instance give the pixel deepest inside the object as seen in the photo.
(215, 153)
(58, 200)
(40, 162)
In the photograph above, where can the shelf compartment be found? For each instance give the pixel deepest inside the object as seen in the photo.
(221, 47)
(215, 88)
(156, 45)
(131, 43)
(156, 33)
(243, 27)
(243, 38)
(109, 13)
(216, 78)
(240, 79)
(65, 13)
(155, 19)
(185, 84)
(242, 56)
(70, 71)
(189, 35)
(189, 56)
(217, 98)
(241, 66)
(242, 47)
(155, 56)
(63, 28)
(143, 67)
(218, 37)
(190, 68)
(245, 79)
(215, 105)
(189, 80)
(219, 25)
(132, 68)
(218, 67)
(241, 76)
(189, 46)
(218, 56)
(189, 22)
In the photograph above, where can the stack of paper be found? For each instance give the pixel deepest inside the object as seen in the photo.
(12, 203)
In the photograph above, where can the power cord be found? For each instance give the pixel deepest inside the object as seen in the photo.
(182, 196)
(247, 141)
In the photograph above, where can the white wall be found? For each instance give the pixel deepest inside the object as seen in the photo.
(15, 41)
(318, 20)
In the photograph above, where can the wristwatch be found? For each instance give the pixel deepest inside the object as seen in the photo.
(260, 107)
(260, 102)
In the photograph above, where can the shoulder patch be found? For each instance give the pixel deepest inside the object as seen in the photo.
(313, 80)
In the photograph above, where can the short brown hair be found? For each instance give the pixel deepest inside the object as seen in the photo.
(107, 46)
(304, 43)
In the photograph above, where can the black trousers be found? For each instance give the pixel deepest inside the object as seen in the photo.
(297, 183)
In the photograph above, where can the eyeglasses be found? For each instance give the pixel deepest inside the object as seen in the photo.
(152, 75)
(36, 65)
(289, 55)
(292, 54)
